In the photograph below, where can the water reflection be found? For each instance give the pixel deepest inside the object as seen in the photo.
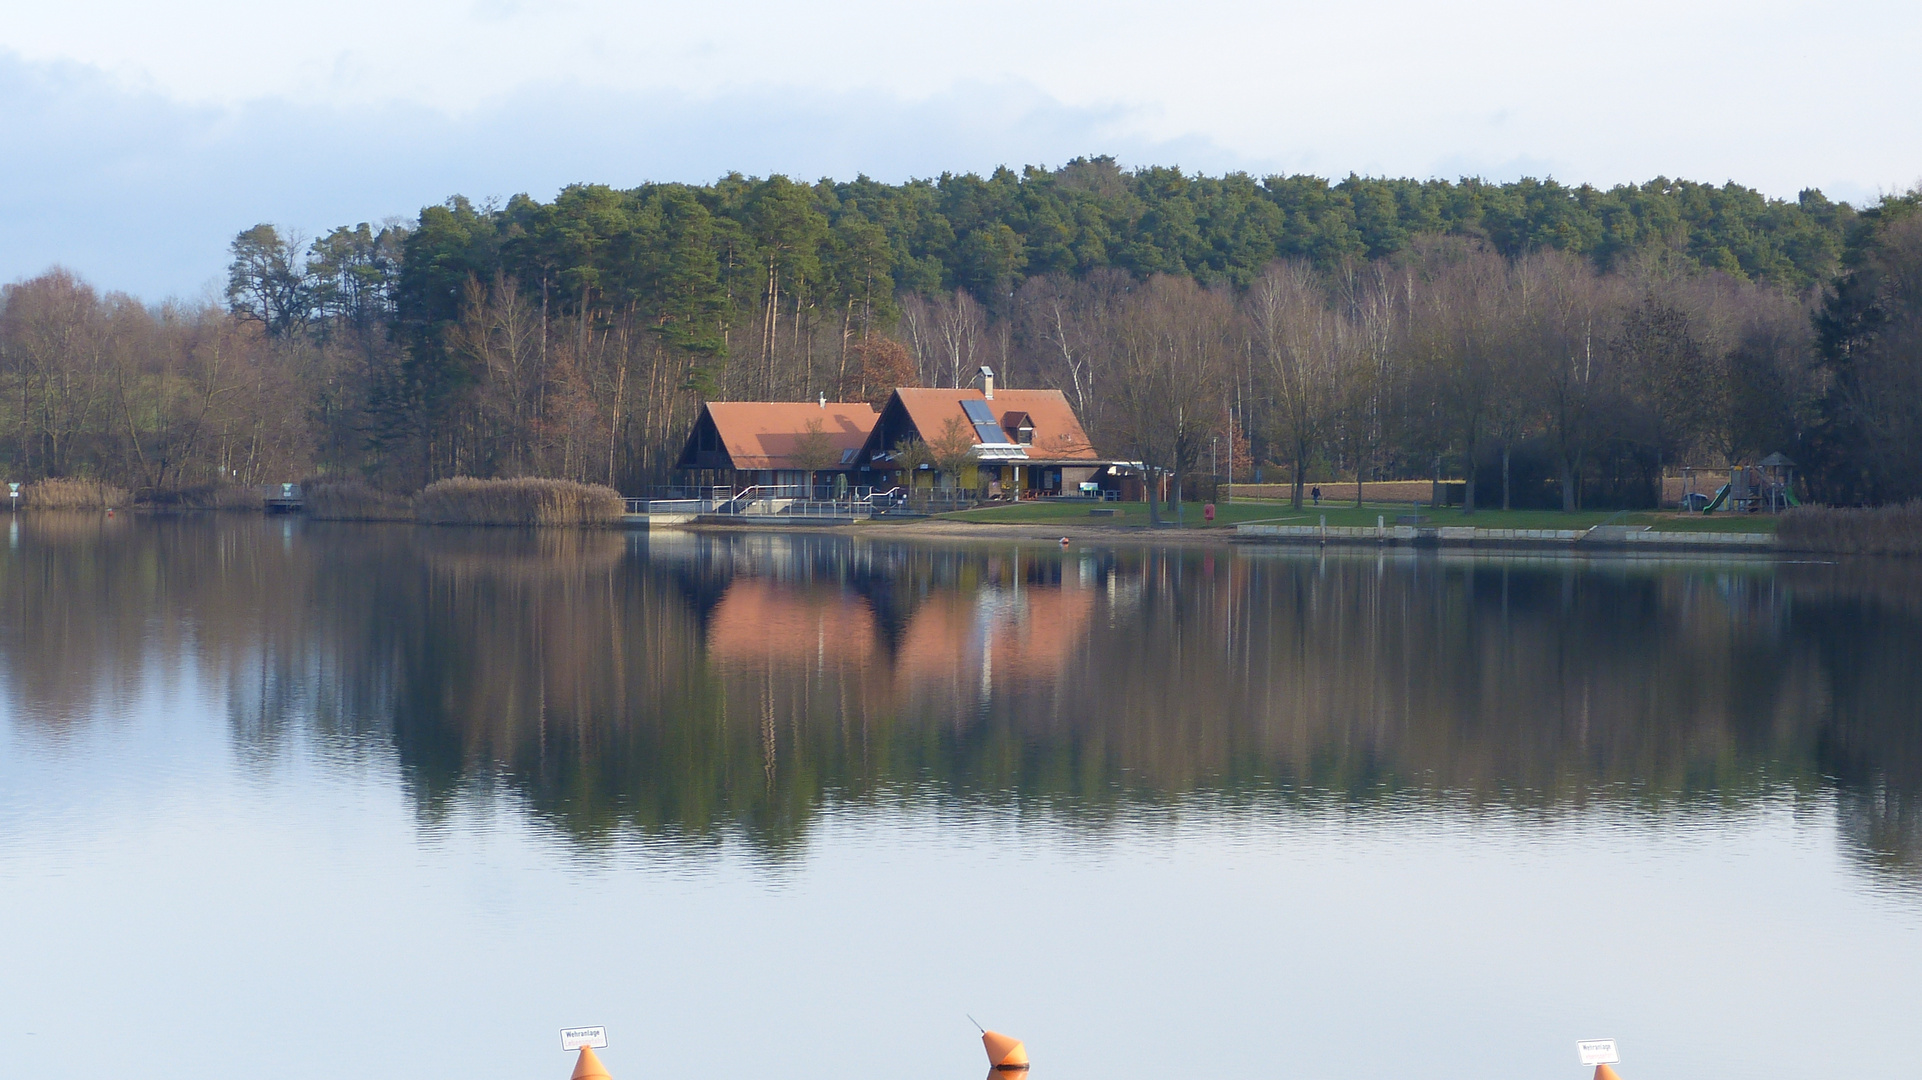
(696, 687)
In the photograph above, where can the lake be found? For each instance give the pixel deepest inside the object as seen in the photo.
(311, 800)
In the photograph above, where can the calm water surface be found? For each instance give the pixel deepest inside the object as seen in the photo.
(326, 801)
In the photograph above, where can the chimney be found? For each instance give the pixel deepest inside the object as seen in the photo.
(824, 399)
(987, 382)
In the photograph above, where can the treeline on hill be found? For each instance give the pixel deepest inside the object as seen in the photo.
(1558, 345)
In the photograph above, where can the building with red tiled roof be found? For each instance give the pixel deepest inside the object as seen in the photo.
(1022, 442)
(740, 443)
(1026, 442)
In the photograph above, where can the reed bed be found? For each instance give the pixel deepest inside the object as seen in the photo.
(352, 500)
(1881, 530)
(71, 494)
(464, 500)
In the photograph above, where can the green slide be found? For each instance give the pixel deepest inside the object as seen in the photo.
(1716, 503)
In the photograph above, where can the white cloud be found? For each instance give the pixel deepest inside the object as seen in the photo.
(142, 193)
(215, 113)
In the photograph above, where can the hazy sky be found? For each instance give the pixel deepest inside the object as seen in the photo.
(137, 138)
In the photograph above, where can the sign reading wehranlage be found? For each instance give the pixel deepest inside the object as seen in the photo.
(576, 1037)
(1598, 1052)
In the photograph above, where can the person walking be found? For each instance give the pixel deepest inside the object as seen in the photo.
(1317, 494)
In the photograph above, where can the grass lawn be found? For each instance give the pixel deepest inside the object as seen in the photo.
(1280, 513)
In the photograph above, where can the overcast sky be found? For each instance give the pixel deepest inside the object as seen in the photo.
(137, 138)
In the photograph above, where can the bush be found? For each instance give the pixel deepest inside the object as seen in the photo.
(352, 500)
(71, 494)
(204, 497)
(236, 497)
(464, 500)
(1882, 530)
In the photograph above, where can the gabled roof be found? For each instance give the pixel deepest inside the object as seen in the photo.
(762, 434)
(1058, 435)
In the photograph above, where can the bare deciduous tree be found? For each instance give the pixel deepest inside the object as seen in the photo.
(1175, 347)
(1306, 346)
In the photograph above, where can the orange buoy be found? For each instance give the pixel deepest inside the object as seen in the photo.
(1603, 1072)
(1007, 1056)
(589, 1067)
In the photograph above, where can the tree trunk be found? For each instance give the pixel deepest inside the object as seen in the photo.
(1504, 475)
(847, 322)
(614, 421)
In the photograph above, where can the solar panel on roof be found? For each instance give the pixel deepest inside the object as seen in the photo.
(986, 428)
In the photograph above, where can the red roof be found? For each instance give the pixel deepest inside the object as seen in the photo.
(762, 434)
(1057, 433)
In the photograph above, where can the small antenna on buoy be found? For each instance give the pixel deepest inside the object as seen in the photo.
(976, 1023)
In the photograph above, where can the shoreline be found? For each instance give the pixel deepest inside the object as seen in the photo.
(948, 529)
(1604, 540)
(1405, 539)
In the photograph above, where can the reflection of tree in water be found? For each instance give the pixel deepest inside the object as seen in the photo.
(1855, 628)
(702, 686)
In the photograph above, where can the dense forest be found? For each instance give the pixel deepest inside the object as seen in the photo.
(1555, 345)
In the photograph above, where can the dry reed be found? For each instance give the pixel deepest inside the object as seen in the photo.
(352, 500)
(464, 500)
(71, 494)
(1882, 530)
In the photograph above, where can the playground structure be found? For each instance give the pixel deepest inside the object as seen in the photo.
(1767, 487)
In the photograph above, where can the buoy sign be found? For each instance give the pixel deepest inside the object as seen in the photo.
(1598, 1052)
(574, 1038)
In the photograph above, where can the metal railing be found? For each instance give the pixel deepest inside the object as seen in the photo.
(859, 501)
(792, 500)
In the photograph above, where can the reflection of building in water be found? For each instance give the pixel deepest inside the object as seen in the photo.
(759, 619)
(997, 633)
(972, 639)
